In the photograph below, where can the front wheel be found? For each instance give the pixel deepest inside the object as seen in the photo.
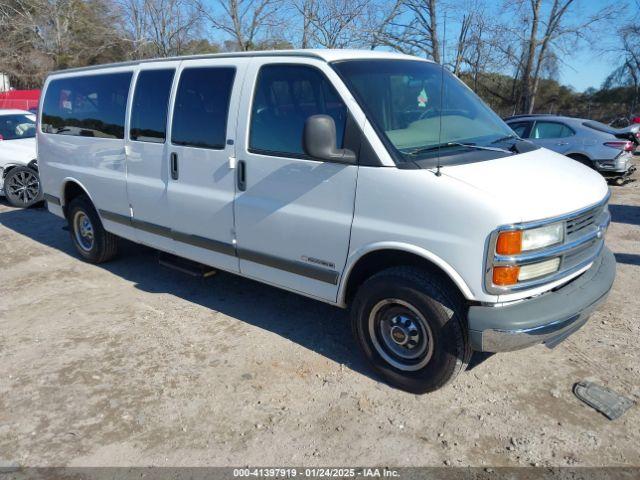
(22, 187)
(409, 325)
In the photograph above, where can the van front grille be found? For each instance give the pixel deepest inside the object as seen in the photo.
(582, 222)
(583, 242)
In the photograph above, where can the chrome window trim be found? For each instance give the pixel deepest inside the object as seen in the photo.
(558, 250)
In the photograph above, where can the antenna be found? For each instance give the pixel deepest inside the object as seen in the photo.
(442, 62)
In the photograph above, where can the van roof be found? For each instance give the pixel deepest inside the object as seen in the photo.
(327, 55)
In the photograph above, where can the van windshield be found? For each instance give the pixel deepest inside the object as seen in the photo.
(417, 119)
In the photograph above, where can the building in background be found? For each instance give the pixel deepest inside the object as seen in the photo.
(4, 82)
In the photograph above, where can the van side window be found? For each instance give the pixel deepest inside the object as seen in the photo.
(150, 104)
(285, 96)
(87, 106)
(202, 106)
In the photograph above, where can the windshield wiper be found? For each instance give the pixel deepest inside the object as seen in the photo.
(504, 139)
(479, 147)
(418, 151)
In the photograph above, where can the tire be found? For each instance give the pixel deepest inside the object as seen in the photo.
(91, 240)
(398, 309)
(22, 187)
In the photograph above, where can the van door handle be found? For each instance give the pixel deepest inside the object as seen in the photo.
(242, 175)
(174, 165)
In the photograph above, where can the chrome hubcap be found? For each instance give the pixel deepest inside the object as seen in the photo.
(83, 230)
(24, 186)
(400, 334)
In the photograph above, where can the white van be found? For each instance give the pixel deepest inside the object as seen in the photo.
(368, 180)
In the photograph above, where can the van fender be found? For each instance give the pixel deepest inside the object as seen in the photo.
(68, 180)
(353, 259)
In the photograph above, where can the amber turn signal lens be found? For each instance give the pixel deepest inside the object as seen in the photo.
(509, 243)
(505, 275)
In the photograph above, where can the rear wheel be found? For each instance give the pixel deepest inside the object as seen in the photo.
(22, 187)
(409, 325)
(92, 241)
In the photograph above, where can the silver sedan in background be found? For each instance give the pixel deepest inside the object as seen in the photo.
(608, 150)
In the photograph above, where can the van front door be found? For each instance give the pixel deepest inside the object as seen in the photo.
(201, 182)
(293, 213)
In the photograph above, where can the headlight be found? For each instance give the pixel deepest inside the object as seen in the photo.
(515, 242)
(535, 270)
(518, 241)
(512, 274)
(542, 237)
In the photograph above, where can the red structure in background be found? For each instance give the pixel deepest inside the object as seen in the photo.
(20, 99)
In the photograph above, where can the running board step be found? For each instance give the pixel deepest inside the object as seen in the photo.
(183, 265)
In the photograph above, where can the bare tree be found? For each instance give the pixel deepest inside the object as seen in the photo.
(247, 22)
(462, 45)
(381, 25)
(627, 73)
(305, 8)
(135, 26)
(553, 28)
(332, 23)
(159, 28)
(39, 35)
(421, 32)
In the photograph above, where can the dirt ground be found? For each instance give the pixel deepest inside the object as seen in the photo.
(131, 363)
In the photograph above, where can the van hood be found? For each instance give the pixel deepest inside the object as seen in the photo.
(534, 185)
(20, 151)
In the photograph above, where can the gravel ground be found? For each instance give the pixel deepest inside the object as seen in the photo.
(131, 363)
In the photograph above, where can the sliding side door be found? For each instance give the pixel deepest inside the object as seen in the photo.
(148, 154)
(201, 185)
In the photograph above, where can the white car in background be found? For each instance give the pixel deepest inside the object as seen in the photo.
(19, 178)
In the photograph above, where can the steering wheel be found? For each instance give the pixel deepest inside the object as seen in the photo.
(421, 113)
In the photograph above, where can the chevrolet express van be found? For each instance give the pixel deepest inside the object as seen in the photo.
(369, 180)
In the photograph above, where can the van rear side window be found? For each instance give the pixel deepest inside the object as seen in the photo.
(150, 104)
(201, 107)
(87, 106)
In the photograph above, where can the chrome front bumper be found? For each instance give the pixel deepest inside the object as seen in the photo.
(548, 318)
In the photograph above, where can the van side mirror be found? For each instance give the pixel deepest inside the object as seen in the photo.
(319, 141)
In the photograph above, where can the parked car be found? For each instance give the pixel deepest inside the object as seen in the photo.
(19, 178)
(630, 132)
(608, 150)
(370, 180)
